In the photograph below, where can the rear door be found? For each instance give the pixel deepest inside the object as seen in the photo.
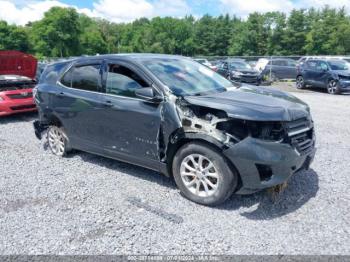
(131, 125)
(283, 69)
(322, 73)
(78, 103)
(309, 72)
(291, 69)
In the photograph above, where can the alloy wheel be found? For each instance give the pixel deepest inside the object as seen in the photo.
(199, 175)
(332, 87)
(56, 141)
(300, 82)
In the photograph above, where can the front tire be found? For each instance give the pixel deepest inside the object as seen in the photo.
(58, 141)
(333, 87)
(300, 83)
(203, 174)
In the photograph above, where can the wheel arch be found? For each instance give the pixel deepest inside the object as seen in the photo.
(186, 138)
(52, 119)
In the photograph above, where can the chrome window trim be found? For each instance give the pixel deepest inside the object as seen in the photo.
(104, 93)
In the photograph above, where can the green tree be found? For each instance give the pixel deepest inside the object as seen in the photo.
(13, 37)
(57, 34)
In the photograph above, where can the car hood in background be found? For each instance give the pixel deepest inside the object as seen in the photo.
(257, 104)
(17, 63)
(247, 71)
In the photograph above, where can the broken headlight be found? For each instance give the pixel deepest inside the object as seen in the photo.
(272, 131)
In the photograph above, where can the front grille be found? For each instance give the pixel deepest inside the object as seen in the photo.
(344, 77)
(22, 107)
(298, 126)
(21, 95)
(303, 142)
(300, 135)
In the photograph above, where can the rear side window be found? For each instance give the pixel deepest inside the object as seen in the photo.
(86, 77)
(291, 63)
(123, 81)
(279, 62)
(311, 64)
(52, 73)
(322, 66)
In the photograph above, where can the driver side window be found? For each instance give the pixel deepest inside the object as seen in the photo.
(321, 66)
(122, 81)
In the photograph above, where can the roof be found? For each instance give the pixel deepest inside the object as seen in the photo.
(135, 56)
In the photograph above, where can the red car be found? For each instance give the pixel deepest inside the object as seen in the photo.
(17, 80)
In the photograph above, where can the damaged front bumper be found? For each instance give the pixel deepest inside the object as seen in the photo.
(263, 164)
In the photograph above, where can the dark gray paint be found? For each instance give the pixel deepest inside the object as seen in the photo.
(143, 132)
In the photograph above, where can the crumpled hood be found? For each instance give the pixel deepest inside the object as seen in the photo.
(257, 104)
(342, 72)
(17, 63)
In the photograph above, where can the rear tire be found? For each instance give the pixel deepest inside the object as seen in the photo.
(58, 141)
(203, 174)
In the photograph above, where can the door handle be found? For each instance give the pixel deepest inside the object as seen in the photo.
(60, 94)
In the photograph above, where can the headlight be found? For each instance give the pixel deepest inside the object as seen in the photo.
(1, 99)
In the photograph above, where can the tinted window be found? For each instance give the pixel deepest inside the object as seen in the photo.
(123, 81)
(291, 63)
(279, 62)
(67, 79)
(311, 64)
(321, 66)
(51, 73)
(86, 78)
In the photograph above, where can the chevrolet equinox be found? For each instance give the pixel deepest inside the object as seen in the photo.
(178, 117)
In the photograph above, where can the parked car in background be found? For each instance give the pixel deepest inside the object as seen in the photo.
(178, 117)
(240, 71)
(277, 68)
(332, 74)
(206, 63)
(17, 80)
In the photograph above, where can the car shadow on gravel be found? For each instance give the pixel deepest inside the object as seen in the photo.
(23, 117)
(301, 188)
(123, 167)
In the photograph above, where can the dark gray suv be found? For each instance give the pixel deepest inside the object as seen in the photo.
(176, 116)
(331, 74)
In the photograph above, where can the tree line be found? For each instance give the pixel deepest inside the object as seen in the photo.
(63, 32)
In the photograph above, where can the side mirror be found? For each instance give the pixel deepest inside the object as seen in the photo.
(148, 94)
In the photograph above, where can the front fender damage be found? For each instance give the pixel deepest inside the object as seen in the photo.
(182, 120)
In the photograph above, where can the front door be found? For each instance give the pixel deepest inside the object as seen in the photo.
(131, 125)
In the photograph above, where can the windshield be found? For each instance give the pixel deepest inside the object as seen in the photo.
(239, 65)
(186, 77)
(339, 65)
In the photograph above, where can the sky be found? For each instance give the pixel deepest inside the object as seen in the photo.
(21, 12)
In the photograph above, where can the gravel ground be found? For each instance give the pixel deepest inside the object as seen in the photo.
(86, 204)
